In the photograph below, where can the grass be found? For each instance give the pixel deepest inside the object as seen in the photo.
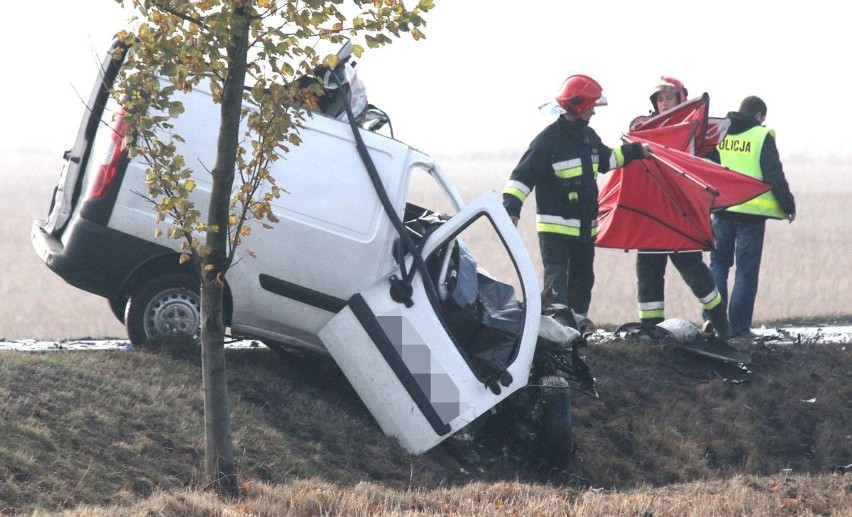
(114, 433)
(121, 433)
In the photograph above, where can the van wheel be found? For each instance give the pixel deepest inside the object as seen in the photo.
(167, 306)
(118, 306)
(555, 435)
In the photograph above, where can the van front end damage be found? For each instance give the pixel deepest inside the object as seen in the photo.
(426, 367)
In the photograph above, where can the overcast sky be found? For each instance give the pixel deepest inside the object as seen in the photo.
(476, 80)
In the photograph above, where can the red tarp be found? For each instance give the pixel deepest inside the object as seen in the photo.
(650, 205)
(716, 130)
(733, 187)
(679, 136)
(664, 202)
(709, 132)
(691, 109)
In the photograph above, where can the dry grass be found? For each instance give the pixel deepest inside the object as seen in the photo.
(120, 433)
(741, 495)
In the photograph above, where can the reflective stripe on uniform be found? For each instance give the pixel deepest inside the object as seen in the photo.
(561, 225)
(517, 189)
(649, 310)
(568, 169)
(616, 159)
(645, 315)
(711, 300)
(573, 168)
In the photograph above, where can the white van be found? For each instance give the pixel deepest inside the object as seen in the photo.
(430, 305)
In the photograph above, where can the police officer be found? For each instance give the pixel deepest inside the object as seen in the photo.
(749, 147)
(561, 165)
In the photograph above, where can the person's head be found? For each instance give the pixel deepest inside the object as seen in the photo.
(668, 93)
(753, 106)
(579, 95)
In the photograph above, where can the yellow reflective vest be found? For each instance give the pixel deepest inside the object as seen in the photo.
(741, 152)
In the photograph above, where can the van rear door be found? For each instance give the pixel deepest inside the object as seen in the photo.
(71, 180)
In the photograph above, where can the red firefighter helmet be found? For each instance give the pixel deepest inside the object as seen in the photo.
(579, 93)
(668, 84)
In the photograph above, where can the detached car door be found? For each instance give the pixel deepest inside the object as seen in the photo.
(428, 364)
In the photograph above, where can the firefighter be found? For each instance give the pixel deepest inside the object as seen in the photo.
(651, 264)
(561, 165)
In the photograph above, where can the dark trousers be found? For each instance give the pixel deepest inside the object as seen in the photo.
(651, 280)
(569, 273)
(738, 244)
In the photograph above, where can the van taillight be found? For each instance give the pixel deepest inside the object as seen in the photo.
(106, 172)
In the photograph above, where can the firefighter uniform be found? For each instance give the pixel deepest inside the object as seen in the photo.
(561, 165)
(651, 264)
(650, 278)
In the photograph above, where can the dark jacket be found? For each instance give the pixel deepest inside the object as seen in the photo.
(573, 198)
(770, 166)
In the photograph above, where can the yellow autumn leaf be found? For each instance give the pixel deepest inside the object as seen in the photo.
(331, 61)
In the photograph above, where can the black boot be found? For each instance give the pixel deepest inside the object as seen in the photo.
(719, 322)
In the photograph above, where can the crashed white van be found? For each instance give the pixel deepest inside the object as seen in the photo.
(430, 305)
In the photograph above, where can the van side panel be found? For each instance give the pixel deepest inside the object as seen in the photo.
(333, 237)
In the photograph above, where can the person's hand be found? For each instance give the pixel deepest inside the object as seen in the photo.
(647, 151)
(791, 217)
(515, 220)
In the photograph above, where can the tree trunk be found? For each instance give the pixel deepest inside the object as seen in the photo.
(219, 451)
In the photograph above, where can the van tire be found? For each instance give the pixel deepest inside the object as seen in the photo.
(166, 306)
(555, 432)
